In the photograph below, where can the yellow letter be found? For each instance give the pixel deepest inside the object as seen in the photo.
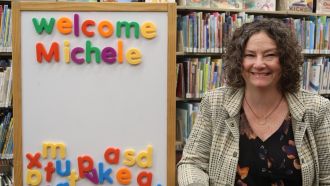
(148, 30)
(73, 178)
(146, 156)
(53, 147)
(33, 177)
(133, 56)
(66, 51)
(129, 155)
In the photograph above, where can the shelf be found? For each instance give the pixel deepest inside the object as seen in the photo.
(188, 99)
(5, 54)
(187, 8)
(6, 108)
(281, 13)
(316, 55)
(184, 54)
(6, 156)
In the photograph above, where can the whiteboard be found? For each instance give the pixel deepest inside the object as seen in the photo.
(92, 106)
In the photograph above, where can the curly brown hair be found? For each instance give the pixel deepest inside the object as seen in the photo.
(289, 51)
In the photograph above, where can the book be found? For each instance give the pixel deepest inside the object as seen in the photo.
(322, 6)
(299, 5)
(227, 4)
(77, 0)
(121, 1)
(266, 5)
(198, 3)
(160, 1)
(314, 75)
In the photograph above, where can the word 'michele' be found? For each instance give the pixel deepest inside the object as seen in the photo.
(105, 28)
(86, 166)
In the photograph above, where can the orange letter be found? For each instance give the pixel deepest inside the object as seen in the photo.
(53, 51)
(109, 27)
(64, 25)
(120, 51)
(124, 176)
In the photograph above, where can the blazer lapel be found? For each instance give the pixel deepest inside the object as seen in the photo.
(233, 105)
(297, 110)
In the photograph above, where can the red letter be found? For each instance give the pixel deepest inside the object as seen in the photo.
(82, 160)
(34, 160)
(53, 51)
(84, 26)
(111, 155)
(49, 171)
(144, 178)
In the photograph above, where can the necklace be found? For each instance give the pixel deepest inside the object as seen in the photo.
(269, 114)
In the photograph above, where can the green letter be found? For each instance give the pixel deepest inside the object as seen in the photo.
(127, 29)
(43, 25)
(89, 50)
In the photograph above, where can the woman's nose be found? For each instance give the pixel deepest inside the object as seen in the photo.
(259, 63)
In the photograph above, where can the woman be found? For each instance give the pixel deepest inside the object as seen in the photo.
(260, 129)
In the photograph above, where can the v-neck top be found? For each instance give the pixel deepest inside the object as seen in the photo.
(271, 162)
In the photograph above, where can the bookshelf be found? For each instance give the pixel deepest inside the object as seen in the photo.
(182, 55)
(6, 123)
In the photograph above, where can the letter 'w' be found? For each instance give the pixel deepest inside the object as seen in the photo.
(43, 25)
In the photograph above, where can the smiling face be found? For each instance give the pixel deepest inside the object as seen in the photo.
(261, 64)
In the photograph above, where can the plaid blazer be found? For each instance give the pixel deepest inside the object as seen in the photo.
(210, 156)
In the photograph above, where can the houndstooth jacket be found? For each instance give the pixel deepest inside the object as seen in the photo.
(210, 156)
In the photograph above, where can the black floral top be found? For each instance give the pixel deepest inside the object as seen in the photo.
(272, 162)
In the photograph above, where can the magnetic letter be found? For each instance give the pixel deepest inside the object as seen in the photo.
(129, 155)
(120, 51)
(124, 176)
(74, 57)
(104, 175)
(34, 160)
(92, 176)
(83, 168)
(66, 51)
(89, 50)
(64, 25)
(59, 168)
(43, 25)
(73, 178)
(144, 158)
(144, 178)
(109, 55)
(49, 171)
(148, 30)
(63, 184)
(76, 24)
(133, 56)
(33, 177)
(53, 147)
(53, 52)
(111, 155)
(84, 26)
(108, 32)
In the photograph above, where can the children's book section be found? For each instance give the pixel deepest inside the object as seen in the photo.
(6, 113)
(92, 77)
(92, 106)
(203, 29)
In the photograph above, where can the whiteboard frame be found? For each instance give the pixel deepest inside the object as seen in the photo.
(18, 7)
